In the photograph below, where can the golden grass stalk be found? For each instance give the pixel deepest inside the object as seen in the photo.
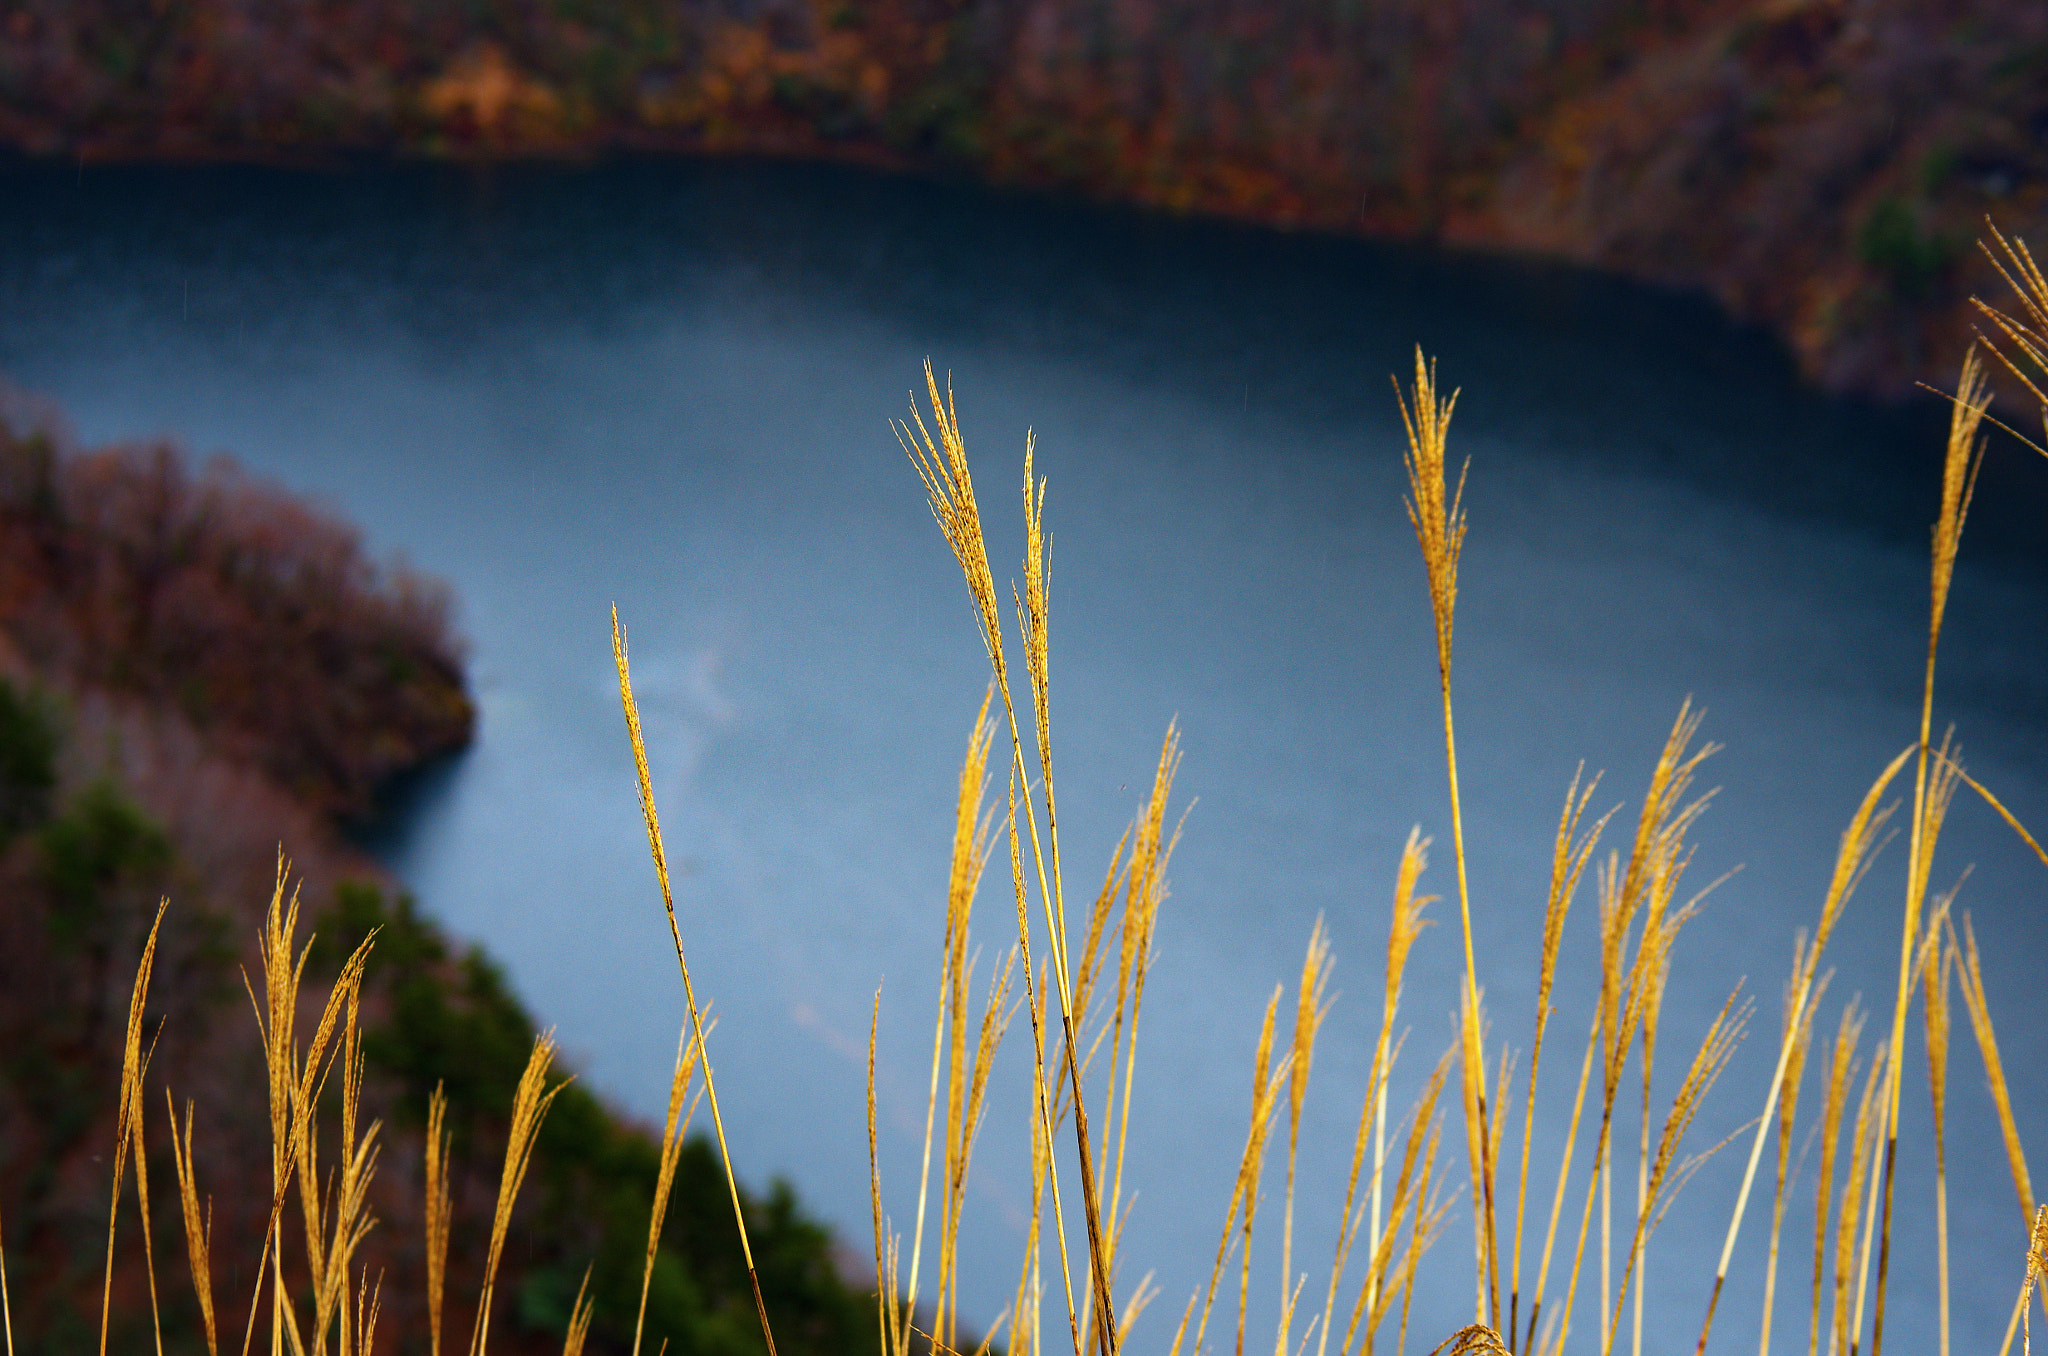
(580, 1311)
(2028, 334)
(1629, 985)
(1570, 852)
(668, 904)
(1970, 978)
(1311, 1006)
(127, 1133)
(530, 1104)
(369, 1300)
(439, 1212)
(1409, 1200)
(1144, 891)
(1708, 1061)
(1267, 1080)
(1436, 512)
(885, 1279)
(1937, 969)
(673, 1128)
(1963, 457)
(1865, 1140)
(2037, 1267)
(198, 1226)
(1035, 1005)
(1853, 856)
(1794, 1041)
(1265, 1092)
(352, 1219)
(1838, 1058)
(942, 466)
(1402, 932)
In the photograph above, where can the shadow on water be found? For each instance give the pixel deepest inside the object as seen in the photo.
(406, 808)
(1211, 311)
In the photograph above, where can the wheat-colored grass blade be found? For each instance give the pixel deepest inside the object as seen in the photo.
(530, 1102)
(1960, 464)
(1311, 1006)
(1375, 1296)
(125, 1136)
(580, 1312)
(1839, 1059)
(675, 1125)
(1795, 1038)
(655, 849)
(1570, 852)
(1937, 970)
(1265, 1091)
(885, 1290)
(438, 1212)
(1865, 1143)
(2037, 1267)
(1035, 1005)
(1715, 1049)
(1436, 512)
(942, 465)
(1858, 847)
(2011, 821)
(198, 1225)
(1406, 926)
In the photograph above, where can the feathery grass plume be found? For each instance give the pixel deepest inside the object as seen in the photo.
(1311, 1006)
(1408, 1201)
(1570, 852)
(1970, 977)
(530, 1103)
(2037, 1267)
(1437, 514)
(294, 1080)
(127, 1132)
(1265, 1093)
(352, 1218)
(1795, 1041)
(197, 1225)
(2012, 822)
(1865, 1142)
(369, 1300)
(2027, 334)
(1144, 891)
(1937, 969)
(580, 1311)
(1858, 847)
(1474, 1340)
(1267, 1080)
(439, 1211)
(1958, 479)
(1045, 1167)
(1629, 986)
(885, 1280)
(942, 466)
(1426, 1224)
(673, 1127)
(1402, 932)
(1839, 1059)
(1707, 1063)
(668, 903)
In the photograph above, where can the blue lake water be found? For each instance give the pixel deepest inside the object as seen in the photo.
(669, 387)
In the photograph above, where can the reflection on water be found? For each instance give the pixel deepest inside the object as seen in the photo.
(668, 387)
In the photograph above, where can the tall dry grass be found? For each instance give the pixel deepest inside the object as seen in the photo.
(1084, 1009)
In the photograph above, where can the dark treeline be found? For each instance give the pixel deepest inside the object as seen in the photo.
(195, 669)
(1821, 166)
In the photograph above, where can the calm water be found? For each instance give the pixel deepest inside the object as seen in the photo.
(669, 388)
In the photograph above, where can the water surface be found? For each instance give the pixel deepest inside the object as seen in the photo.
(669, 388)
